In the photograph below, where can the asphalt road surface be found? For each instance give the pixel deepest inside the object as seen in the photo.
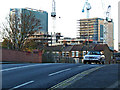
(50, 75)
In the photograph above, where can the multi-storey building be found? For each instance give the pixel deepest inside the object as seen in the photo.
(41, 27)
(91, 28)
(96, 29)
(48, 39)
(109, 34)
(40, 38)
(39, 14)
(71, 41)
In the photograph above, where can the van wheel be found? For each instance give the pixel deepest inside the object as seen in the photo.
(102, 62)
(89, 62)
(99, 62)
(95, 62)
(84, 62)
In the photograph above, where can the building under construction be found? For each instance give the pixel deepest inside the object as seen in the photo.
(97, 30)
(109, 34)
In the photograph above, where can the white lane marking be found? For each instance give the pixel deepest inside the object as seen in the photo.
(59, 72)
(21, 67)
(91, 65)
(82, 65)
(22, 85)
(94, 65)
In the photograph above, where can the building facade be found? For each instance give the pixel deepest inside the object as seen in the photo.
(91, 28)
(39, 14)
(98, 30)
(109, 34)
(77, 52)
(71, 41)
(40, 38)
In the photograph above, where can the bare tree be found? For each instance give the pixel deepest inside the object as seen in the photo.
(19, 28)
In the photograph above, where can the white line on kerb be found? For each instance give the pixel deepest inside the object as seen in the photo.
(59, 72)
(22, 85)
(17, 67)
(115, 85)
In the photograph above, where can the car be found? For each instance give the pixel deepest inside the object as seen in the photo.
(94, 57)
(117, 57)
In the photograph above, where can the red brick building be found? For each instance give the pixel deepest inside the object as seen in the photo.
(78, 51)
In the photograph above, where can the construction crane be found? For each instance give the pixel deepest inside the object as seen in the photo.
(53, 13)
(108, 18)
(87, 6)
(106, 21)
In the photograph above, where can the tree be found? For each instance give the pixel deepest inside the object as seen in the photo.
(20, 27)
(30, 45)
(6, 44)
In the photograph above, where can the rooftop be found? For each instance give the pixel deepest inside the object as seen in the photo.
(79, 47)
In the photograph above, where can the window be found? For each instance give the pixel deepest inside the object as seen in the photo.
(76, 53)
(67, 53)
(57, 52)
(84, 53)
(94, 53)
(48, 52)
(54, 52)
(63, 54)
(73, 54)
(101, 31)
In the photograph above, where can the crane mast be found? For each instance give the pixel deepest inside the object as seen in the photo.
(106, 21)
(87, 6)
(53, 13)
(108, 18)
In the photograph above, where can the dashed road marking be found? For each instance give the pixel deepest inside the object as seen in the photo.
(91, 65)
(59, 72)
(82, 66)
(8, 69)
(21, 85)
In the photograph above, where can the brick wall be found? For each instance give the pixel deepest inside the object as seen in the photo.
(20, 56)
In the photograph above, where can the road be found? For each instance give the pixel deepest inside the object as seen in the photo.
(46, 75)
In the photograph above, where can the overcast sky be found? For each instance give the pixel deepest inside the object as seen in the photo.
(69, 10)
